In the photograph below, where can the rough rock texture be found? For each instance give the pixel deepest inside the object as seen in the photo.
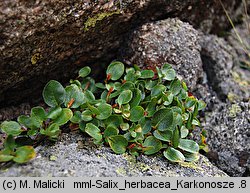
(50, 39)
(218, 59)
(229, 137)
(167, 41)
(73, 155)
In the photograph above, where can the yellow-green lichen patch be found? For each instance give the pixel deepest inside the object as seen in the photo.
(232, 97)
(192, 165)
(91, 21)
(233, 110)
(34, 59)
(134, 165)
(121, 171)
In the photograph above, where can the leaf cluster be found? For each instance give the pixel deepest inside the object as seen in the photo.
(133, 110)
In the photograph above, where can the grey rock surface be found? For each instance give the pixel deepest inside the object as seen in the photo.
(228, 129)
(167, 41)
(75, 155)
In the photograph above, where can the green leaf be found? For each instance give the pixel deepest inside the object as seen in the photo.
(174, 155)
(110, 131)
(163, 119)
(136, 113)
(152, 145)
(100, 85)
(147, 74)
(11, 128)
(54, 112)
(169, 74)
(168, 98)
(115, 70)
(201, 105)
(157, 90)
(93, 131)
(190, 101)
(9, 143)
(85, 71)
(115, 120)
(105, 111)
(184, 132)
(64, 117)
(5, 157)
(188, 145)
(163, 135)
(38, 113)
(131, 75)
(191, 157)
(175, 87)
(89, 96)
(118, 143)
(54, 93)
(175, 138)
(124, 126)
(77, 117)
(137, 96)
(29, 122)
(125, 97)
(74, 97)
(24, 154)
(145, 125)
(52, 131)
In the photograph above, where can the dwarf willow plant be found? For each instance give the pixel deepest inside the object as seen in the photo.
(133, 110)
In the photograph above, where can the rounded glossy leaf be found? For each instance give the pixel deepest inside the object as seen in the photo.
(38, 113)
(201, 105)
(168, 98)
(169, 74)
(190, 157)
(54, 93)
(54, 112)
(188, 145)
(52, 131)
(93, 131)
(115, 120)
(74, 96)
(24, 154)
(110, 131)
(105, 111)
(157, 90)
(89, 96)
(100, 85)
(190, 101)
(124, 126)
(184, 132)
(147, 74)
(118, 143)
(29, 122)
(11, 128)
(64, 117)
(174, 155)
(115, 70)
(145, 125)
(137, 96)
(175, 87)
(125, 97)
(152, 145)
(136, 113)
(84, 71)
(163, 119)
(5, 157)
(77, 117)
(163, 135)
